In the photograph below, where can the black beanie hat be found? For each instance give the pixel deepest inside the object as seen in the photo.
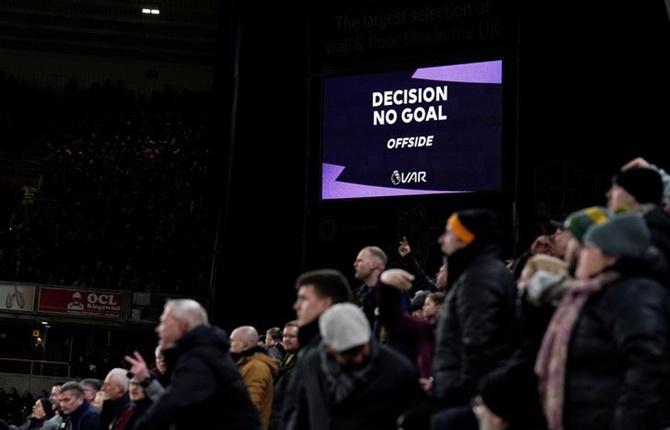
(644, 184)
(46, 405)
(509, 393)
(482, 223)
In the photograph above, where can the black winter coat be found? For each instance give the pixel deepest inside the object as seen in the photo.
(280, 387)
(616, 369)
(206, 390)
(391, 388)
(309, 340)
(658, 222)
(478, 330)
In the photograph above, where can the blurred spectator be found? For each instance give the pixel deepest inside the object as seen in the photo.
(54, 398)
(206, 390)
(348, 383)
(78, 413)
(41, 412)
(123, 198)
(273, 343)
(91, 387)
(257, 368)
(116, 398)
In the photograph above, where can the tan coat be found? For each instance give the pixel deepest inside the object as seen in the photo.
(258, 372)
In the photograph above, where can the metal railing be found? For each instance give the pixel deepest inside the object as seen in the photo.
(9, 166)
(34, 367)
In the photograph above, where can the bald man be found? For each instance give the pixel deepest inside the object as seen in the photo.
(257, 368)
(368, 266)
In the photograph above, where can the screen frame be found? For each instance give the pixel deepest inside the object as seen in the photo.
(508, 145)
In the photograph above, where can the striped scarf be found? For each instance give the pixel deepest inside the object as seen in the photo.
(552, 358)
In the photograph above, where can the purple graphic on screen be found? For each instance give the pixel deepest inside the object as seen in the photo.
(458, 150)
(332, 189)
(487, 72)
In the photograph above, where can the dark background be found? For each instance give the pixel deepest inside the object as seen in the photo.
(586, 86)
(586, 89)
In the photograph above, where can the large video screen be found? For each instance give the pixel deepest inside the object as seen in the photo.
(423, 131)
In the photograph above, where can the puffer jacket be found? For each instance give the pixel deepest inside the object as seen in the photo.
(478, 330)
(617, 364)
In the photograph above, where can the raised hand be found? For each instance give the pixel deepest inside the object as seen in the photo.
(138, 366)
(403, 247)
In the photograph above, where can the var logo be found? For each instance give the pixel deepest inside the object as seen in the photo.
(398, 177)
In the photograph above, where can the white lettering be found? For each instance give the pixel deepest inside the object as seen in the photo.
(410, 142)
(377, 99)
(421, 114)
(398, 177)
(382, 117)
(103, 299)
(410, 96)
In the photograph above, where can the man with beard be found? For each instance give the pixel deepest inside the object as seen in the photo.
(291, 345)
(116, 399)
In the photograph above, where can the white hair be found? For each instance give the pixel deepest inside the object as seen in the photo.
(189, 311)
(119, 376)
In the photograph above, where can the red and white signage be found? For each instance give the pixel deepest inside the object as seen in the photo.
(99, 304)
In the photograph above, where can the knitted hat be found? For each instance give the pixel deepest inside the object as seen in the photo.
(622, 236)
(644, 184)
(474, 224)
(344, 326)
(578, 222)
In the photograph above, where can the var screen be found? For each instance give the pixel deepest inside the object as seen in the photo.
(422, 131)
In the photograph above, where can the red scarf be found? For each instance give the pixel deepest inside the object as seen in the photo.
(124, 418)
